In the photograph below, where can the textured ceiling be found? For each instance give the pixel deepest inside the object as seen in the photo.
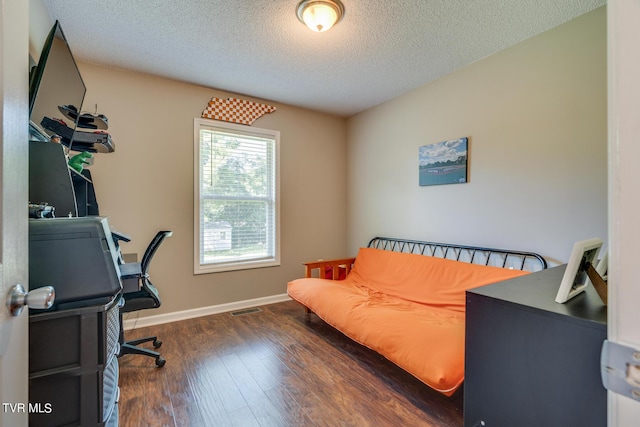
(258, 48)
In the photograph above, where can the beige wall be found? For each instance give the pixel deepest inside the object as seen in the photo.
(147, 184)
(536, 116)
(39, 26)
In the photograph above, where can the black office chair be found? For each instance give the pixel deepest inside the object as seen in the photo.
(146, 297)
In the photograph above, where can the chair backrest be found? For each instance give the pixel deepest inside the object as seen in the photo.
(151, 250)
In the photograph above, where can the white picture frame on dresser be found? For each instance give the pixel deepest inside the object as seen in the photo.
(575, 279)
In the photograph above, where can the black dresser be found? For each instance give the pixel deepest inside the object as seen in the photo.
(73, 366)
(530, 361)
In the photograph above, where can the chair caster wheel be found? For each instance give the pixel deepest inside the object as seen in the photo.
(160, 362)
(157, 343)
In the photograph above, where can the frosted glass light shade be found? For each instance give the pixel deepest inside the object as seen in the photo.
(320, 15)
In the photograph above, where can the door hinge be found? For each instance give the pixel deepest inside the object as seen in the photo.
(620, 369)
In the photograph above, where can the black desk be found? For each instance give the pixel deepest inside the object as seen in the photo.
(530, 361)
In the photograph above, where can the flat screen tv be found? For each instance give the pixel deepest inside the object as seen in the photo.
(56, 91)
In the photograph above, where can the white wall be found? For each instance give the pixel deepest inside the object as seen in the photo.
(536, 116)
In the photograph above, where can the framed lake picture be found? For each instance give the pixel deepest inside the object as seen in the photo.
(444, 162)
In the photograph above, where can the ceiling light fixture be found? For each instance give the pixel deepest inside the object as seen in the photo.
(320, 15)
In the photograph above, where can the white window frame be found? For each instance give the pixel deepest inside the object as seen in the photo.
(204, 268)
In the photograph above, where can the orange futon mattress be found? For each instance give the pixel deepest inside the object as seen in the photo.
(409, 308)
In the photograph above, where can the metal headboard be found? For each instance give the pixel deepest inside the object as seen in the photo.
(528, 261)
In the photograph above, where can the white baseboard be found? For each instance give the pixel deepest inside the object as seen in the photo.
(132, 320)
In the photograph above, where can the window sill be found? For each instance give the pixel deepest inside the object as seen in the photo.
(234, 266)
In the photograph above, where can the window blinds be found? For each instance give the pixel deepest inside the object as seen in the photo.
(237, 197)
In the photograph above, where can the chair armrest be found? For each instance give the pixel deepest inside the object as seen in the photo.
(335, 265)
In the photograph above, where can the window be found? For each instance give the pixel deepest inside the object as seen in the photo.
(236, 201)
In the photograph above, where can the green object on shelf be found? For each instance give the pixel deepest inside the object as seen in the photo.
(78, 161)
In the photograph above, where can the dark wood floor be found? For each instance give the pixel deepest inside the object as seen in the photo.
(277, 367)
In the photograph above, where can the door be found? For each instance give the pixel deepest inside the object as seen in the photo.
(14, 116)
(624, 190)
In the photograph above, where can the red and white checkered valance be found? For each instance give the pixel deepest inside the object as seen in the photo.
(236, 110)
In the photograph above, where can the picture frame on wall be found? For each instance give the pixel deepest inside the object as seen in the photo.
(444, 162)
(575, 279)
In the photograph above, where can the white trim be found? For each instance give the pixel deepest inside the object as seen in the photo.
(198, 268)
(624, 207)
(133, 321)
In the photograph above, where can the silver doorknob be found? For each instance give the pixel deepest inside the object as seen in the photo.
(40, 298)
